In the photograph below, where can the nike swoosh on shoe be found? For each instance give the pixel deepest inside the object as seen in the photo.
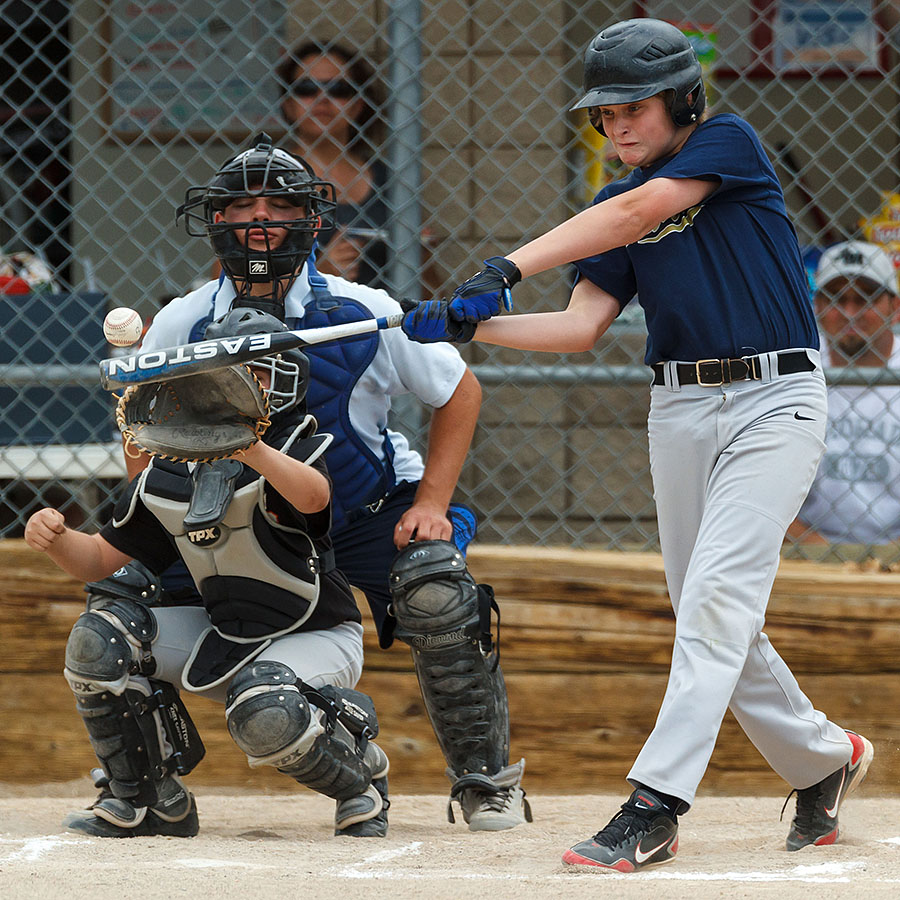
(832, 811)
(641, 856)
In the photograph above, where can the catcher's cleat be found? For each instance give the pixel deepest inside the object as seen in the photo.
(366, 815)
(498, 811)
(642, 834)
(498, 808)
(816, 819)
(175, 815)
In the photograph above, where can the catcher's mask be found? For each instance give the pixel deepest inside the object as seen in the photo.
(288, 370)
(637, 59)
(262, 171)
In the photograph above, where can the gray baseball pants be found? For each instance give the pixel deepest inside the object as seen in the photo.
(731, 467)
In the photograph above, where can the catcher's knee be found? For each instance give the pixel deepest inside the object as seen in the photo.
(273, 722)
(268, 717)
(434, 597)
(109, 643)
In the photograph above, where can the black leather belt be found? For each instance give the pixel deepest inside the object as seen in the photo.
(714, 372)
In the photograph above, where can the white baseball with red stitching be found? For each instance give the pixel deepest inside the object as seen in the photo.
(122, 327)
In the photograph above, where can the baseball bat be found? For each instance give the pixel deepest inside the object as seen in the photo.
(218, 353)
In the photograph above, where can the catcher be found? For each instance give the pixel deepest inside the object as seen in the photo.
(237, 489)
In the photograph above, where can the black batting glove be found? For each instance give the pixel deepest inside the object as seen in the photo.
(486, 294)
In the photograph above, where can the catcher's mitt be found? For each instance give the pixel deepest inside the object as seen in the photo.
(198, 418)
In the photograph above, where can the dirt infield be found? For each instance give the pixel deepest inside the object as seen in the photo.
(270, 846)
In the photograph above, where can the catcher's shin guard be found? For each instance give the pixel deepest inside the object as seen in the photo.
(445, 617)
(132, 723)
(271, 720)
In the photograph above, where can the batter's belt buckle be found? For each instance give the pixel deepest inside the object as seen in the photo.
(724, 371)
(715, 377)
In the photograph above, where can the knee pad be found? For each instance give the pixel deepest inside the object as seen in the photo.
(268, 717)
(108, 643)
(271, 720)
(434, 597)
(445, 617)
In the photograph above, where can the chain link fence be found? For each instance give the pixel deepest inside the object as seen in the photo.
(109, 110)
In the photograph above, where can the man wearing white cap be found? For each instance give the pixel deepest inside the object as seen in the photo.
(855, 497)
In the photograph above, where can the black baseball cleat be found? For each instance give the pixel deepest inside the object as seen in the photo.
(175, 815)
(816, 819)
(366, 815)
(643, 833)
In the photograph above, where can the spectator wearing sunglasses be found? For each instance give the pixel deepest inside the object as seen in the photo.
(332, 102)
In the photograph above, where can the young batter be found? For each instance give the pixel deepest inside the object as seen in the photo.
(698, 230)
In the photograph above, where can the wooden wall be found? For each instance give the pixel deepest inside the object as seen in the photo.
(585, 642)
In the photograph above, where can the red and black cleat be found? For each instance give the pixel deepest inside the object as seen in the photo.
(816, 819)
(642, 834)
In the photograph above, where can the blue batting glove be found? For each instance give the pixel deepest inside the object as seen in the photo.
(486, 294)
(431, 322)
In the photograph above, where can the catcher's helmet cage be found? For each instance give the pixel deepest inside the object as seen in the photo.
(288, 369)
(262, 171)
(637, 59)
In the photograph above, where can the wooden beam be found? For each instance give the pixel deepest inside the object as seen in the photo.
(585, 646)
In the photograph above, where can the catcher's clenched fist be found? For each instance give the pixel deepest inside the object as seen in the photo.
(44, 529)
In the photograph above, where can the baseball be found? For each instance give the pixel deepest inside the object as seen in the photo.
(122, 327)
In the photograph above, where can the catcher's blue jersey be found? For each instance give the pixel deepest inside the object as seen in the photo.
(722, 279)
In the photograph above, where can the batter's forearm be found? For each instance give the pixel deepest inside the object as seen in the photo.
(567, 331)
(614, 222)
(548, 332)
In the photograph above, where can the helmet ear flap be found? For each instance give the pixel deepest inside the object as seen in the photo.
(687, 107)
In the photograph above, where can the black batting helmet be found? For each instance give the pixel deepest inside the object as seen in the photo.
(288, 369)
(262, 171)
(637, 59)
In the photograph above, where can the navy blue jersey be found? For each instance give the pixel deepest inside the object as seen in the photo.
(725, 278)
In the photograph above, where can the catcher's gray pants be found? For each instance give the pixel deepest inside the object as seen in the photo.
(330, 656)
(731, 467)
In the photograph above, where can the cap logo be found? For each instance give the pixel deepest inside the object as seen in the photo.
(851, 257)
(259, 267)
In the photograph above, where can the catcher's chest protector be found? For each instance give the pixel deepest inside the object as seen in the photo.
(359, 476)
(276, 588)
